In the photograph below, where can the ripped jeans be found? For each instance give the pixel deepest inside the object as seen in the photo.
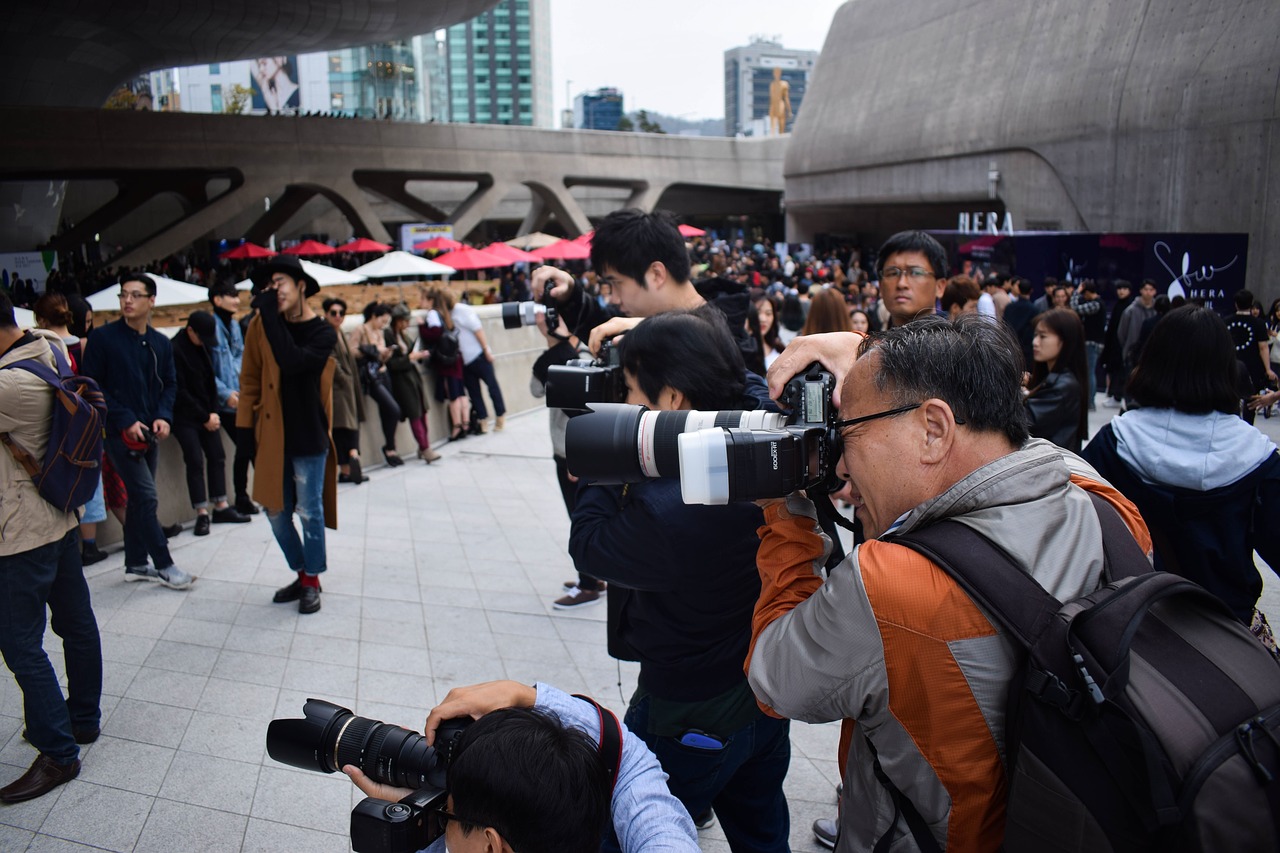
(304, 495)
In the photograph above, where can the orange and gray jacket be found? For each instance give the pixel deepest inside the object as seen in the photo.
(892, 646)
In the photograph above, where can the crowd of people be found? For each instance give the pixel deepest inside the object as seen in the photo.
(958, 399)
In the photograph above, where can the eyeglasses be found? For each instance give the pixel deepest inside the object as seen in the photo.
(840, 426)
(133, 295)
(335, 312)
(443, 817)
(915, 274)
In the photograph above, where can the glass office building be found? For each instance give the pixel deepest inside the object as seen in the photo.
(498, 66)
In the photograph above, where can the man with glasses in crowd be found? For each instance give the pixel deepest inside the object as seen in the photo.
(133, 364)
(913, 275)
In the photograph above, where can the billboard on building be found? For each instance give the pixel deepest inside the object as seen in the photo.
(274, 80)
(31, 269)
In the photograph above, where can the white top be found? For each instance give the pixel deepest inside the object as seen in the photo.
(467, 323)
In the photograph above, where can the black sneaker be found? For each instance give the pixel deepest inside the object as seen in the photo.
(229, 515)
(202, 524)
(245, 506)
(91, 553)
(172, 530)
(706, 820)
(357, 473)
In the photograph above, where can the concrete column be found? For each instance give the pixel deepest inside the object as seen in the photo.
(536, 218)
(477, 205)
(645, 195)
(565, 207)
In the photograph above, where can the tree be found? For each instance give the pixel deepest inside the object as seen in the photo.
(626, 124)
(121, 99)
(237, 99)
(646, 124)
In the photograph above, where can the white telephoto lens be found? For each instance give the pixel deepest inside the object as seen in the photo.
(704, 467)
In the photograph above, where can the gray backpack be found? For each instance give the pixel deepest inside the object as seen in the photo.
(1143, 716)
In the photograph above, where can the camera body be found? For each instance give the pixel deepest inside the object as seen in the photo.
(720, 457)
(580, 383)
(329, 737)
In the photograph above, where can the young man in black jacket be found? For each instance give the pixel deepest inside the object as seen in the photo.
(197, 423)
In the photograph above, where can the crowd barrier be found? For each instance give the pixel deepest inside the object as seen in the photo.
(514, 353)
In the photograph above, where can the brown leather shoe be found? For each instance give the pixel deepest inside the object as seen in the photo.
(44, 775)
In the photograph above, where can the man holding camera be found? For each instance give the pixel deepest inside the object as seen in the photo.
(529, 776)
(133, 365)
(932, 429)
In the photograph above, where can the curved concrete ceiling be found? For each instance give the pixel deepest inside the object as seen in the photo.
(74, 53)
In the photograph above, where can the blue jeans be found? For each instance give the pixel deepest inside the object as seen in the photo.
(481, 369)
(1092, 350)
(51, 575)
(303, 494)
(142, 533)
(742, 781)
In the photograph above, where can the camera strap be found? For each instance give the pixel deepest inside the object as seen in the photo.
(827, 510)
(610, 739)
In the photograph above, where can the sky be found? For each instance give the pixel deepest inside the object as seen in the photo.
(667, 56)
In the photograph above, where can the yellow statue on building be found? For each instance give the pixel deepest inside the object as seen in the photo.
(779, 104)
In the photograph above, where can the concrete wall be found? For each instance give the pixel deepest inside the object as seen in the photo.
(1099, 115)
(514, 353)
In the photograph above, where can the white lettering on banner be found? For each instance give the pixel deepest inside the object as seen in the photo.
(1188, 276)
(989, 222)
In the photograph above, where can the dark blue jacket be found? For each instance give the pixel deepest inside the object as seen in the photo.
(690, 578)
(135, 372)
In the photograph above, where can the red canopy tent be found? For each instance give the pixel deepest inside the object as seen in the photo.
(511, 253)
(311, 247)
(472, 259)
(584, 239)
(364, 244)
(690, 231)
(565, 250)
(437, 244)
(247, 250)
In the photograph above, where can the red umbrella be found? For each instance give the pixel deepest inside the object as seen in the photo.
(584, 239)
(472, 259)
(511, 253)
(364, 244)
(310, 247)
(437, 244)
(690, 231)
(565, 250)
(247, 250)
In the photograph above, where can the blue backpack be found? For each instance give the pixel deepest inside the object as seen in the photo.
(72, 466)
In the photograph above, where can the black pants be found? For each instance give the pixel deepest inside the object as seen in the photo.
(201, 449)
(345, 441)
(569, 493)
(481, 369)
(242, 439)
(388, 409)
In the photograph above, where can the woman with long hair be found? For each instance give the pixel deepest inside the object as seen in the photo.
(768, 312)
(1206, 483)
(449, 384)
(1057, 391)
(827, 313)
(369, 344)
(406, 380)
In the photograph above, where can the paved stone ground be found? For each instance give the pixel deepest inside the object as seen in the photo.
(440, 575)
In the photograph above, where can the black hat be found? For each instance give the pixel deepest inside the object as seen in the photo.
(287, 264)
(205, 327)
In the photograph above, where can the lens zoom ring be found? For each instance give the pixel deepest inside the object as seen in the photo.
(351, 747)
(666, 443)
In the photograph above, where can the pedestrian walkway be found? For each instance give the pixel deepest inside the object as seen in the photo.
(438, 576)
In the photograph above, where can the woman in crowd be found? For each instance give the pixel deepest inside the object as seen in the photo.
(448, 366)
(860, 321)
(370, 346)
(827, 313)
(348, 402)
(768, 309)
(53, 313)
(1057, 404)
(406, 381)
(1207, 483)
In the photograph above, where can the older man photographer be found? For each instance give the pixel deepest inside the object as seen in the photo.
(932, 429)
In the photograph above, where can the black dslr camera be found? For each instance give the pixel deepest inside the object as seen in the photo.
(330, 737)
(720, 457)
(580, 382)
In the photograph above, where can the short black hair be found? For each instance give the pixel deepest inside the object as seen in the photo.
(147, 281)
(1120, 282)
(630, 240)
(915, 241)
(1188, 364)
(541, 785)
(7, 320)
(1244, 300)
(971, 363)
(332, 301)
(690, 351)
(375, 309)
(1150, 281)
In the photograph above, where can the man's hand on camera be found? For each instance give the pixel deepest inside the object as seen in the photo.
(559, 281)
(477, 700)
(612, 328)
(377, 790)
(137, 432)
(836, 352)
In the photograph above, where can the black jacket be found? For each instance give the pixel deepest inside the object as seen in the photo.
(197, 388)
(1053, 411)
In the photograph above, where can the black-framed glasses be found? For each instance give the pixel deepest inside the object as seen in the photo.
(915, 274)
(841, 425)
(337, 312)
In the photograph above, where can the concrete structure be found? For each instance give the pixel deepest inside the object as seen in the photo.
(748, 71)
(598, 110)
(195, 177)
(1089, 115)
(499, 66)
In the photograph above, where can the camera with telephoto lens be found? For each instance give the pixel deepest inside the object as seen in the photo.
(580, 383)
(329, 737)
(720, 457)
(517, 314)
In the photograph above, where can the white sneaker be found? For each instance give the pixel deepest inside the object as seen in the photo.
(1112, 403)
(174, 578)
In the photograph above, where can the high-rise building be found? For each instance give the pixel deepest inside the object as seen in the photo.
(499, 66)
(748, 72)
(598, 110)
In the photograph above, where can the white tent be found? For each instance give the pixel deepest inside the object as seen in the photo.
(402, 265)
(168, 292)
(325, 276)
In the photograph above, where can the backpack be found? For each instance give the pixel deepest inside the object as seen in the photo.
(1142, 715)
(72, 466)
(448, 347)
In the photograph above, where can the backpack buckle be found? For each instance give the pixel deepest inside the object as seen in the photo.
(1049, 689)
